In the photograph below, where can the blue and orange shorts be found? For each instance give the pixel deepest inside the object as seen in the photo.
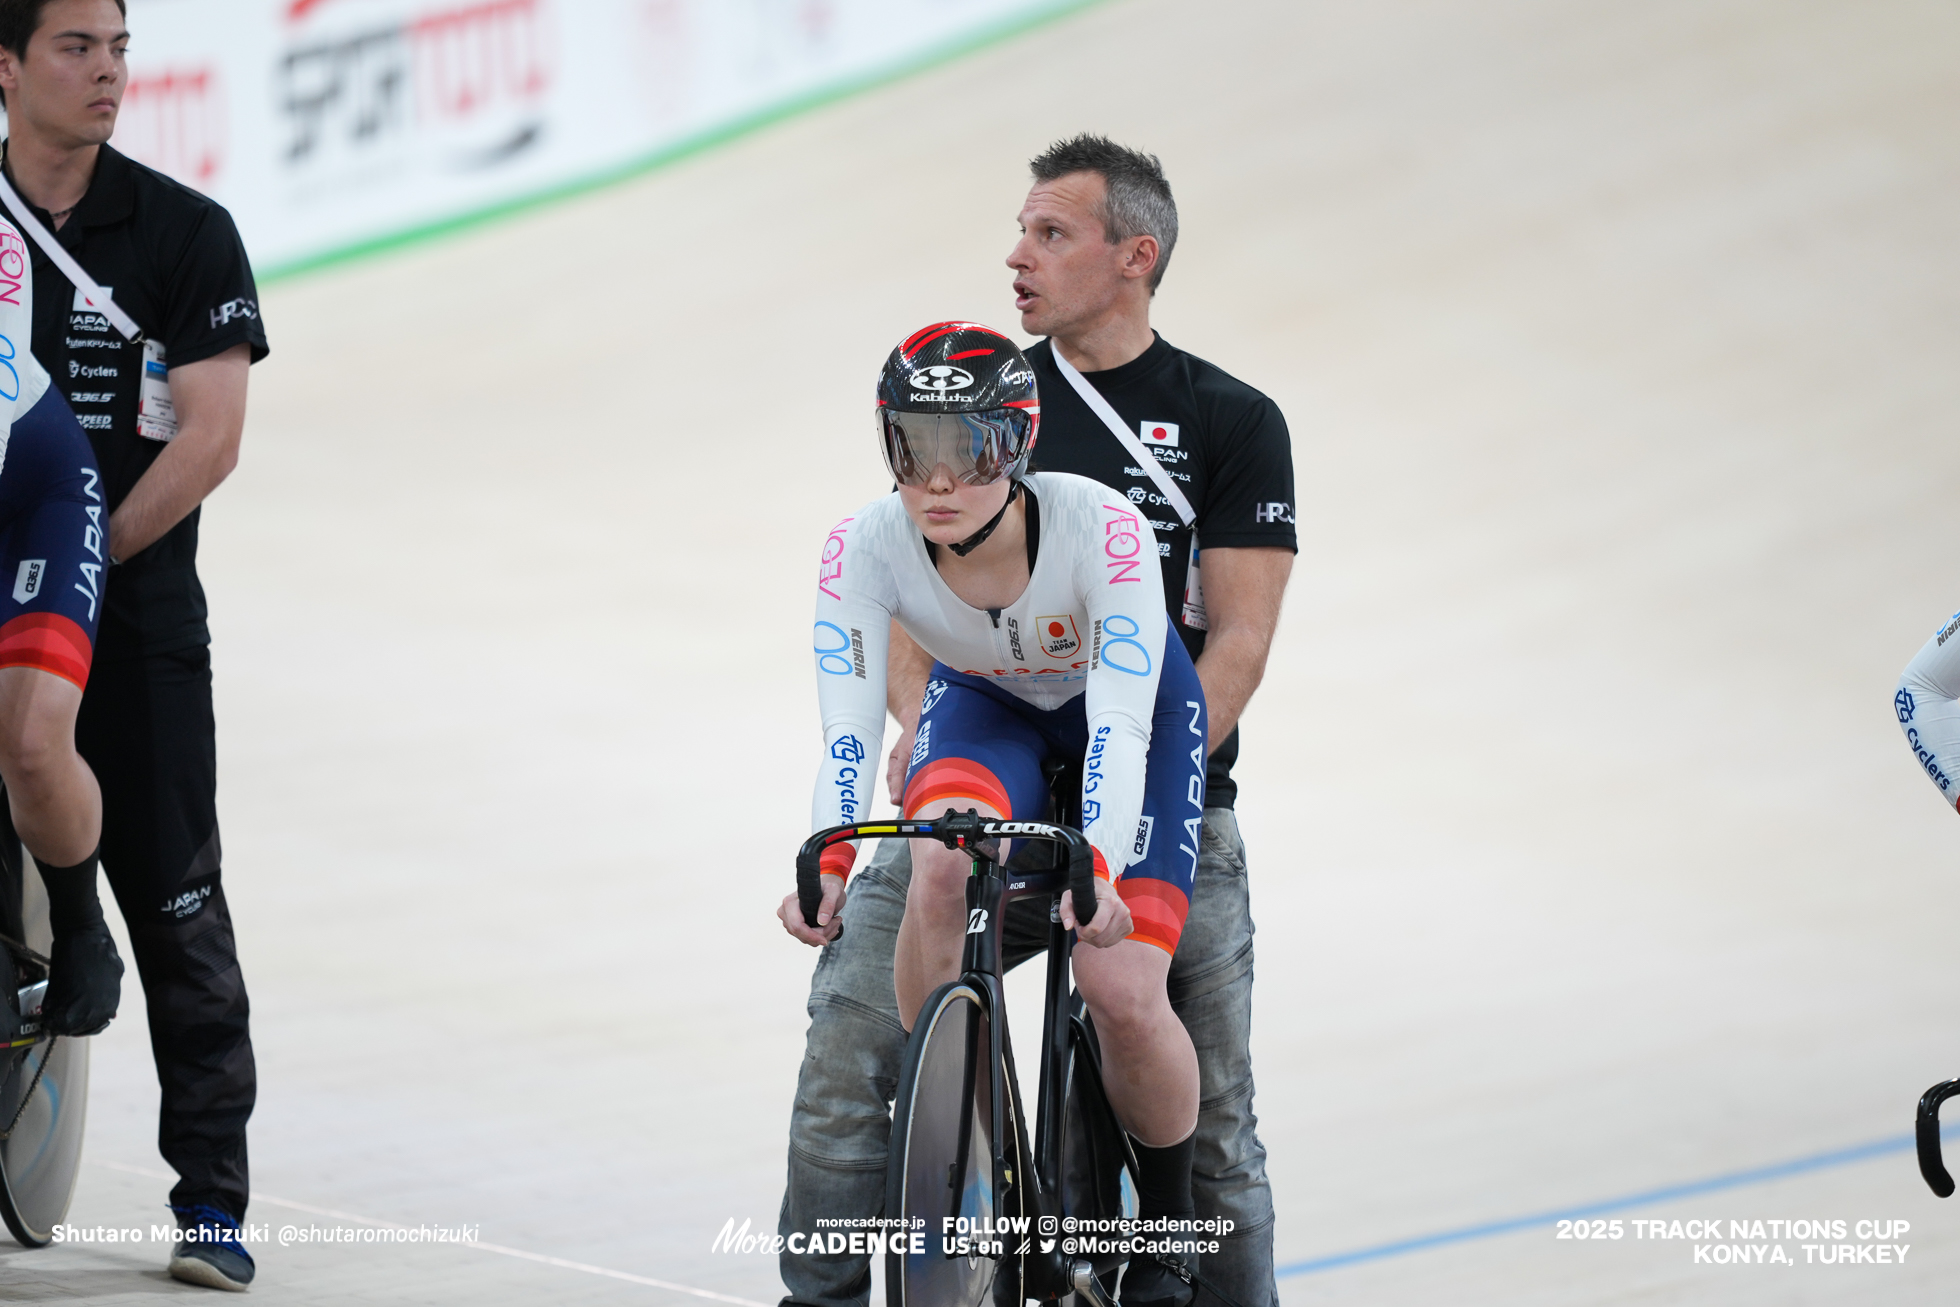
(978, 742)
(54, 543)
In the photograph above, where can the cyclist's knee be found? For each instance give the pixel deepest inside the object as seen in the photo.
(1124, 987)
(37, 723)
(939, 878)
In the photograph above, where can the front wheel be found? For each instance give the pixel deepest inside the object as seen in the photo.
(941, 1167)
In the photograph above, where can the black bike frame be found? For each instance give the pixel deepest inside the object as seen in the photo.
(989, 888)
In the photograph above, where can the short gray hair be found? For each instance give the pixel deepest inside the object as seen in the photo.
(1138, 200)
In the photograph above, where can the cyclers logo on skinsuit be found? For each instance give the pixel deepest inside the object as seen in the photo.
(1929, 760)
(847, 749)
(1901, 703)
(1092, 775)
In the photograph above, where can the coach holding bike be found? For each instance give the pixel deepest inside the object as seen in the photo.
(1098, 229)
(138, 255)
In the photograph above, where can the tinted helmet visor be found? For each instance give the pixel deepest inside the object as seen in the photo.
(978, 448)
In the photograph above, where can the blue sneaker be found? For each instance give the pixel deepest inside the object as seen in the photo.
(208, 1251)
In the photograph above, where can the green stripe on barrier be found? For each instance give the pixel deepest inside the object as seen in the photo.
(688, 146)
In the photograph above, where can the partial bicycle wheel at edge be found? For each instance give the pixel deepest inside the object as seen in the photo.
(941, 1162)
(40, 1158)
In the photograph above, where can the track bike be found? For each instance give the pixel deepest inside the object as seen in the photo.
(973, 1211)
(43, 1078)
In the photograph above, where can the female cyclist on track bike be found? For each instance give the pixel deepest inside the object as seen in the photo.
(54, 562)
(1039, 597)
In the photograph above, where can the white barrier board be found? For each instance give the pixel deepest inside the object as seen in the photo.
(325, 125)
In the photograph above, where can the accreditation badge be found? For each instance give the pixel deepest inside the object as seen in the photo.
(156, 417)
(1194, 592)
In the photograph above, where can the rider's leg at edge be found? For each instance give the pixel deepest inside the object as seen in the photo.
(57, 811)
(56, 804)
(1149, 1067)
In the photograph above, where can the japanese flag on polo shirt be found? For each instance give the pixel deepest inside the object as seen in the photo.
(1158, 433)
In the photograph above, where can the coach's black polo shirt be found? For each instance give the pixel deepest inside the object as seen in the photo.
(1223, 442)
(173, 261)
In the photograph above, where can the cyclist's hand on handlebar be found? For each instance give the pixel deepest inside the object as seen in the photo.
(791, 914)
(1112, 920)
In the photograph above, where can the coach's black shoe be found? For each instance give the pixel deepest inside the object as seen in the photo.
(84, 982)
(208, 1251)
(1148, 1282)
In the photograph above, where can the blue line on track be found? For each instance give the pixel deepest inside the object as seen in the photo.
(1733, 1180)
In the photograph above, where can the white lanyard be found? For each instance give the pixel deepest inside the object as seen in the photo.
(98, 298)
(1194, 586)
(1135, 447)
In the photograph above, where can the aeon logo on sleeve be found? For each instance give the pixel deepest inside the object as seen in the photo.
(13, 267)
(831, 568)
(941, 377)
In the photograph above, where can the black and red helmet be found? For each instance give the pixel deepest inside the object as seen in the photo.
(960, 394)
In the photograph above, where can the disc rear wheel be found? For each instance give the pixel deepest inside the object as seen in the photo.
(942, 1161)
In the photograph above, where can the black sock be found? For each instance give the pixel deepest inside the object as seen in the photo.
(72, 904)
(1164, 1178)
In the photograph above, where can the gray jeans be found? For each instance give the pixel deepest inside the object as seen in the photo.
(841, 1124)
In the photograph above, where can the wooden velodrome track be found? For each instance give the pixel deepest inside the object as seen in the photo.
(1617, 342)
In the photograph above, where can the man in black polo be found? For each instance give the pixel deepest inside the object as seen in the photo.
(1098, 229)
(165, 414)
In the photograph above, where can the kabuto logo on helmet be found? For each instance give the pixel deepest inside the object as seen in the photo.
(942, 378)
(961, 396)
